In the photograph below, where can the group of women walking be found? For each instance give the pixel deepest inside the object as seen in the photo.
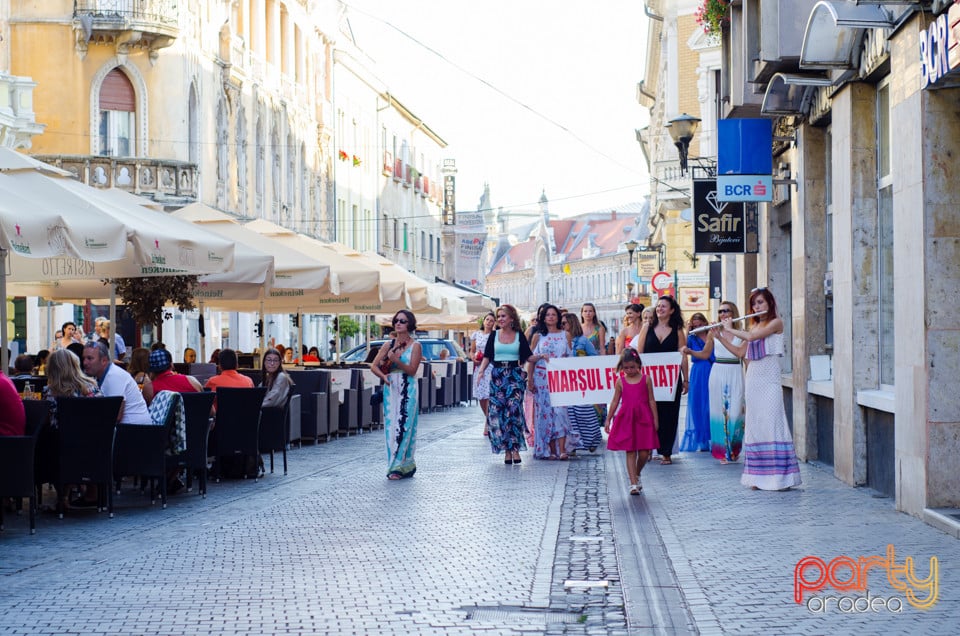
(725, 413)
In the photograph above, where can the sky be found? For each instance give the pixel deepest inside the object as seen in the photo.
(532, 96)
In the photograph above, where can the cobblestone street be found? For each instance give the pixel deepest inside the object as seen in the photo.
(467, 546)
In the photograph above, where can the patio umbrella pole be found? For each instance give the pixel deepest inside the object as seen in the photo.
(300, 333)
(113, 321)
(203, 337)
(4, 353)
(263, 336)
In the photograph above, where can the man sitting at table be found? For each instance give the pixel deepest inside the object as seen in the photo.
(164, 379)
(228, 375)
(13, 420)
(114, 381)
(23, 365)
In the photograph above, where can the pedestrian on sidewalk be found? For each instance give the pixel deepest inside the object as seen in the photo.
(726, 390)
(507, 352)
(585, 417)
(555, 435)
(481, 390)
(666, 334)
(634, 427)
(696, 434)
(770, 462)
(396, 364)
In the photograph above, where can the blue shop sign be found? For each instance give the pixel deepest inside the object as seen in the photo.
(940, 48)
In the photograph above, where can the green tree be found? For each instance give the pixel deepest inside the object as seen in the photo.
(348, 327)
(145, 298)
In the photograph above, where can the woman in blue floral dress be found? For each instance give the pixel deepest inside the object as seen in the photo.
(554, 433)
(507, 352)
(396, 364)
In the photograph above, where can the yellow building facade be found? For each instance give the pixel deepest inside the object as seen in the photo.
(215, 101)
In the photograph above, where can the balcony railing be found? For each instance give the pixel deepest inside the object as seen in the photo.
(139, 11)
(159, 179)
(130, 25)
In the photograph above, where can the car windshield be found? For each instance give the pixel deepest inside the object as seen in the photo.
(431, 348)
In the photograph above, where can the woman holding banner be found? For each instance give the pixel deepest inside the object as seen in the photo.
(554, 434)
(507, 352)
(666, 334)
(585, 417)
(631, 326)
(770, 462)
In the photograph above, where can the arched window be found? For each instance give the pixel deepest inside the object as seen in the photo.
(118, 116)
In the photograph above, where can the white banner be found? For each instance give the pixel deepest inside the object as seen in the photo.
(469, 258)
(581, 380)
(663, 369)
(590, 379)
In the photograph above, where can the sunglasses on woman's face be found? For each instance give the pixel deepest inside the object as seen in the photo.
(723, 311)
(400, 321)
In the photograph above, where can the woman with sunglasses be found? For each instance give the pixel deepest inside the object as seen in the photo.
(396, 364)
(770, 461)
(726, 390)
(507, 352)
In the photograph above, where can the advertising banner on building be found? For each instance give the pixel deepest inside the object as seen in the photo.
(469, 258)
(449, 200)
(648, 263)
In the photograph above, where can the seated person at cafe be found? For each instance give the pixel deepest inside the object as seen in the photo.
(114, 381)
(189, 355)
(23, 366)
(164, 379)
(228, 375)
(13, 420)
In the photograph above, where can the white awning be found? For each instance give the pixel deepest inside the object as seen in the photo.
(835, 30)
(791, 94)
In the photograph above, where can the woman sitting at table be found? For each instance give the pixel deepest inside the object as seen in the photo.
(275, 379)
(12, 417)
(139, 368)
(66, 379)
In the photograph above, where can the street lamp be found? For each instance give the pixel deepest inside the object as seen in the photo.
(682, 130)
(630, 291)
(631, 246)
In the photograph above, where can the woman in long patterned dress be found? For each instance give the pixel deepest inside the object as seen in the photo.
(596, 332)
(481, 389)
(770, 461)
(553, 431)
(583, 416)
(666, 334)
(396, 364)
(507, 352)
(696, 434)
(726, 390)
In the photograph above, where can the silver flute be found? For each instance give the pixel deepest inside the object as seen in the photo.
(720, 324)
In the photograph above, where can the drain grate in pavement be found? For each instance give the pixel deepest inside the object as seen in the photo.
(520, 616)
(570, 583)
(585, 538)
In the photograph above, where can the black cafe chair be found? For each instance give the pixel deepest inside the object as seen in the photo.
(196, 407)
(237, 432)
(273, 431)
(87, 428)
(16, 473)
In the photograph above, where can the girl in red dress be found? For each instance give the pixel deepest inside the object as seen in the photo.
(634, 427)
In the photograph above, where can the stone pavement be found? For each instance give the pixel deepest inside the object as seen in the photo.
(467, 546)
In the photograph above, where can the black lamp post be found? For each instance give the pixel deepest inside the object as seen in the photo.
(631, 246)
(682, 129)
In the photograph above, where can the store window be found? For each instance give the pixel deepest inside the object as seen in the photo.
(885, 286)
(118, 116)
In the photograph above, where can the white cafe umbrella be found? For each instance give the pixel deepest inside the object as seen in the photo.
(33, 230)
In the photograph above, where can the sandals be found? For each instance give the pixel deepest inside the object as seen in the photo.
(394, 476)
(635, 489)
(564, 457)
(666, 461)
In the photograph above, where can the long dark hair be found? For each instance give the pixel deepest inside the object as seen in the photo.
(771, 305)
(676, 318)
(541, 326)
(411, 320)
(268, 378)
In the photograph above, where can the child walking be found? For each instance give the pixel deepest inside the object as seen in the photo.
(634, 427)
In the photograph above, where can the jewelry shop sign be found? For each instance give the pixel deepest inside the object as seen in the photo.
(722, 227)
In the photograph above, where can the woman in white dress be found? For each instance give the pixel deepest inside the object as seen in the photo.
(770, 461)
(481, 389)
(726, 390)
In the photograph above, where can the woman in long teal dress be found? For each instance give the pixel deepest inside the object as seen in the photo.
(396, 364)
(726, 390)
(696, 436)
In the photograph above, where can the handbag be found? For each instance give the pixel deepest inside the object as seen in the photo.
(479, 357)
